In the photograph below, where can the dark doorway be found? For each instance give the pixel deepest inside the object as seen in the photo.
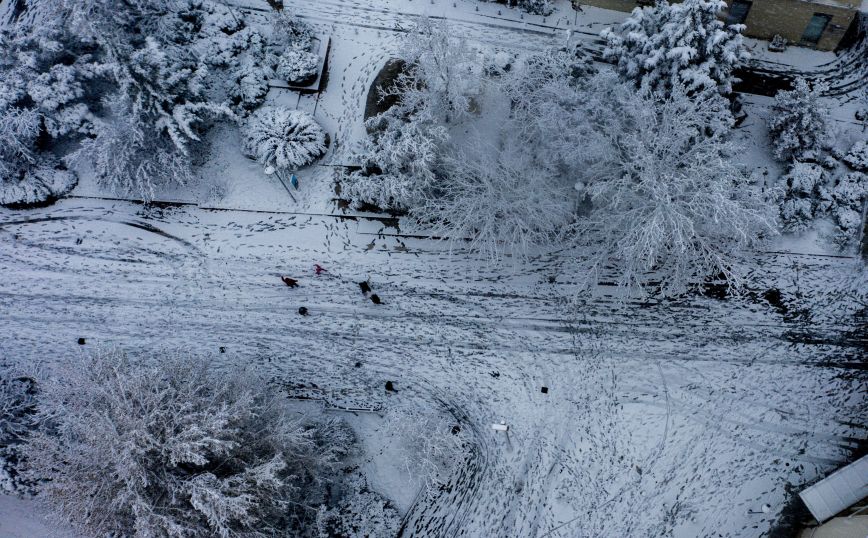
(738, 11)
(814, 30)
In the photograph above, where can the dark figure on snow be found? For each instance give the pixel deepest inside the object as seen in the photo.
(365, 287)
(319, 268)
(376, 299)
(302, 310)
(291, 282)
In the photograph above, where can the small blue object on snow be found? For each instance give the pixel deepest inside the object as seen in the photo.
(294, 181)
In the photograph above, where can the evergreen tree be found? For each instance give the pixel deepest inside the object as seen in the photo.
(800, 126)
(682, 44)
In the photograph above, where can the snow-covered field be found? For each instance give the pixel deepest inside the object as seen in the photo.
(709, 406)
(677, 417)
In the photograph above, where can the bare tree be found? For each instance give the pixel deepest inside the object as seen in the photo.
(173, 447)
(668, 202)
(498, 200)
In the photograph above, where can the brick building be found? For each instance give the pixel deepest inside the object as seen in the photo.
(820, 24)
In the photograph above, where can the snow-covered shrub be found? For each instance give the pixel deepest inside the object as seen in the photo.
(848, 196)
(434, 448)
(857, 157)
(174, 447)
(250, 64)
(682, 44)
(668, 204)
(17, 406)
(800, 193)
(499, 200)
(251, 84)
(537, 7)
(290, 31)
(799, 126)
(297, 65)
(283, 138)
(361, 513)
(400, 162)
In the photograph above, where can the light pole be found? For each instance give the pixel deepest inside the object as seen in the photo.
(272, 171)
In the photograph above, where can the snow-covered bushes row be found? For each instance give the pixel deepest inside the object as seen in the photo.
(845, 203)
(400, 159)
(537, 7)
(800, 194)
(806, 192)
(799, 127)
(857, 157)
(283, 138)
(175, 447)
(683, 44)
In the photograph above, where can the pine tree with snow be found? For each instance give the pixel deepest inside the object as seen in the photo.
(131, 156)
(283, 138)
(682, 44)
(400, 161)
(800, 126)
(43, 101)
(849, 196)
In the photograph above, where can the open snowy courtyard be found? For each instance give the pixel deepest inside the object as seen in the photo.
(489, 391)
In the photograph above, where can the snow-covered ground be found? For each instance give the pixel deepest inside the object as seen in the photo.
(719, 403)
(695, 412)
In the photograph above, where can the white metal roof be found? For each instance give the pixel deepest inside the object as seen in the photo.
(838, 491)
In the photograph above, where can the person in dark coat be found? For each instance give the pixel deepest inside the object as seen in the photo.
(291, 282)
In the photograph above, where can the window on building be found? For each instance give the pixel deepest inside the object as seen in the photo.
(738, 10)
(814, 30)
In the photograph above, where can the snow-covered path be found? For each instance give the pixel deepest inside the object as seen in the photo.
(721, 401)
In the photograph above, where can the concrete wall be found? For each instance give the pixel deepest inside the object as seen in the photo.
(769, 17)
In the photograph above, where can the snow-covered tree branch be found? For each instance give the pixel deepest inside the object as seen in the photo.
(175, 447)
